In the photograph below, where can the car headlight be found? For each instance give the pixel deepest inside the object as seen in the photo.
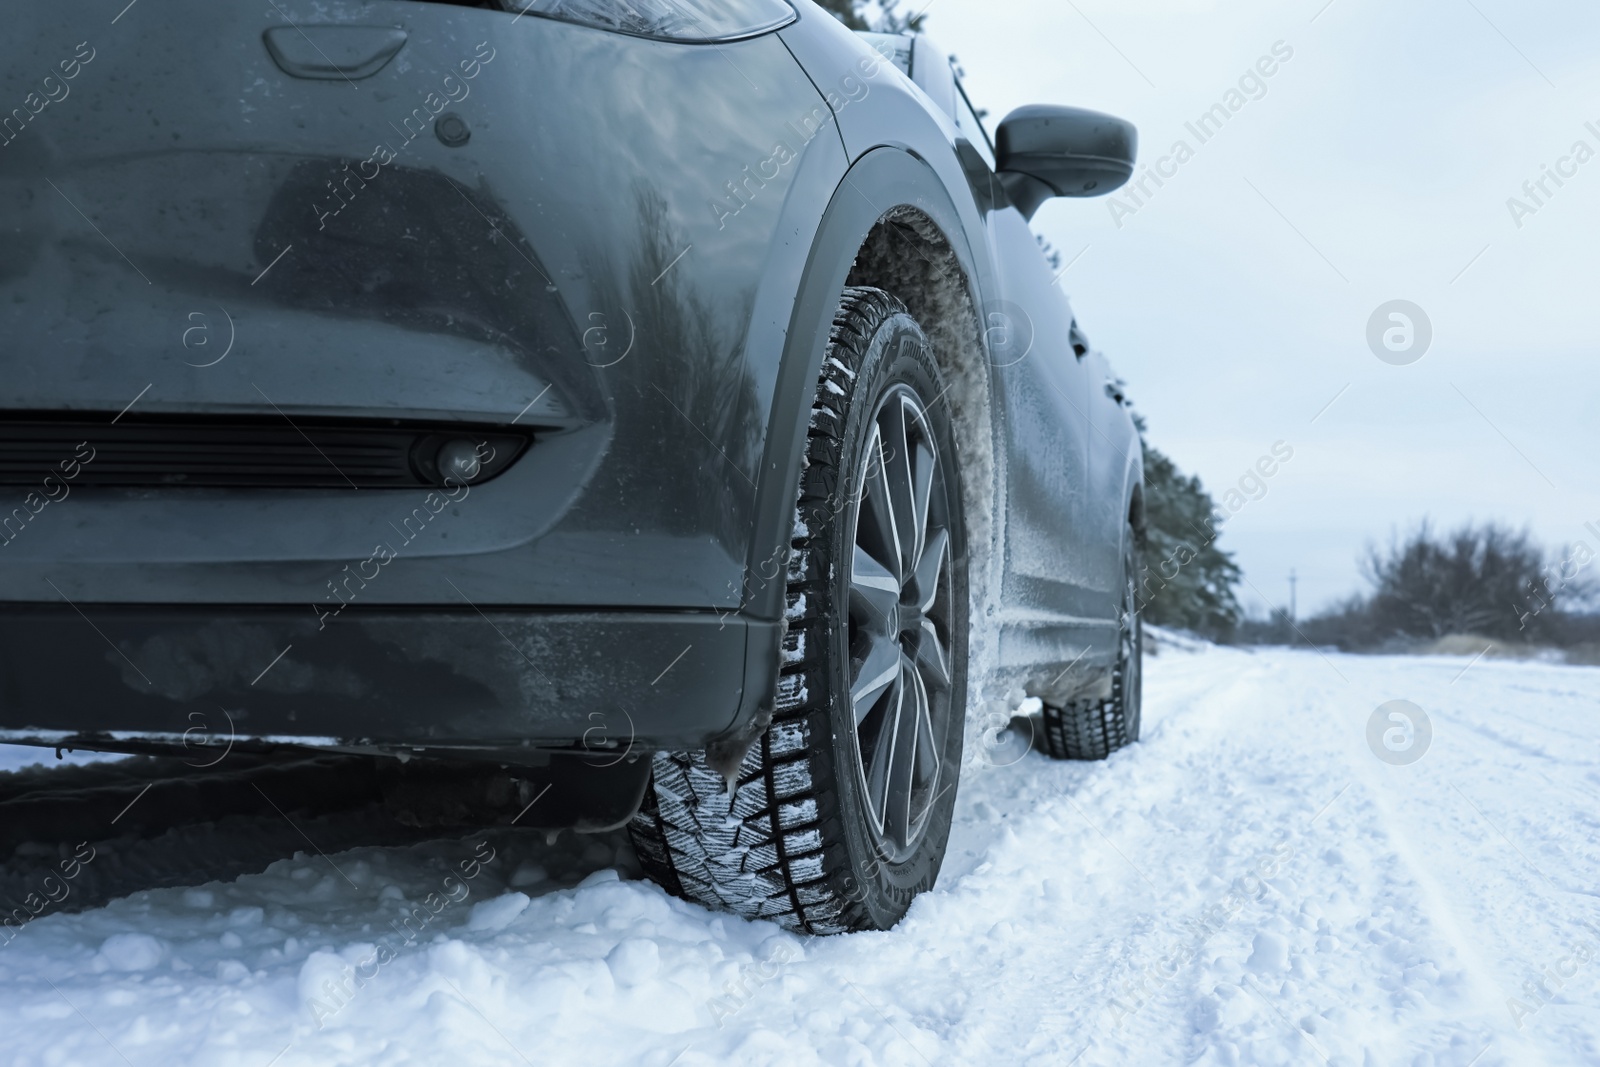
(692, 21)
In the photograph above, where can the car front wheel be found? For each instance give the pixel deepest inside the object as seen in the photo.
(841, 811)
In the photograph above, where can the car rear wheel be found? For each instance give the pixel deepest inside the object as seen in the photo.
(1093, 729)
(840, 812)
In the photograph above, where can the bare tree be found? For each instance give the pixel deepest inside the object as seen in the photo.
(1486, 579)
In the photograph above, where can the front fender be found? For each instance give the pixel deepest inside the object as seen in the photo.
(882, 181)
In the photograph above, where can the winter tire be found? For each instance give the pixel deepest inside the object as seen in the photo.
(1093, 729)
(840, 812)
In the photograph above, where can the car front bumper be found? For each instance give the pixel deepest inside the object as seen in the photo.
(506, 684)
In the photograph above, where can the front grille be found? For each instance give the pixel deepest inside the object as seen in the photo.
(242, 452)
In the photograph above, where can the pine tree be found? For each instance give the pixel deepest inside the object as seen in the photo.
(1188, 581)
(845, 12)
(880, 15)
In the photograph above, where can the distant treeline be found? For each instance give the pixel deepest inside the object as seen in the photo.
(1487, 580)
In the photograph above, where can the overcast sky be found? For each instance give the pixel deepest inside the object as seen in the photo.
(1374, 164)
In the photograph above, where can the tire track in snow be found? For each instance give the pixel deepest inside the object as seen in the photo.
(1493, 914)
(1083, 1020)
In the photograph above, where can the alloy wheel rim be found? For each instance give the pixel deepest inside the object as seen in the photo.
(899, 613)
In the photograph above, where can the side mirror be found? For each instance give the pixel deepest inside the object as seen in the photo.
(1044, 151)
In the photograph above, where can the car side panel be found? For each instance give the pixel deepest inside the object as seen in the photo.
(1050, 615)
(1116, 466)
(1051, 551)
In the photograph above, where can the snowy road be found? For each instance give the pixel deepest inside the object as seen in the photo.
(1251, 884)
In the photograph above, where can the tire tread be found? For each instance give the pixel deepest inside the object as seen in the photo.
(764, 848)
(1087, 729)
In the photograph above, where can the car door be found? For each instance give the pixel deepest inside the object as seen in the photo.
(1050, 565)
(1057, 629)
(1110, 455)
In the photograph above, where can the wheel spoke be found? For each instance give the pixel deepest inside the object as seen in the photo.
(927, 757)
(902, 489)
(884, 733)
(876, 528)
(874, 592)
(879, 669)
(922, 470)
(930, 569)
(933, 663)
(902, 757)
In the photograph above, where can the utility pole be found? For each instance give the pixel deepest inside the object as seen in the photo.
(1291, 594)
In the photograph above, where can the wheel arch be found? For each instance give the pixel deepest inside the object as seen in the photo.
(891, 224)
(1136, 512)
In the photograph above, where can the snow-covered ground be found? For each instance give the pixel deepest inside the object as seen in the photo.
(1251, 884)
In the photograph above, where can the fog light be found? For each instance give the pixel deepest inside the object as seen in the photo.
(458, 461)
